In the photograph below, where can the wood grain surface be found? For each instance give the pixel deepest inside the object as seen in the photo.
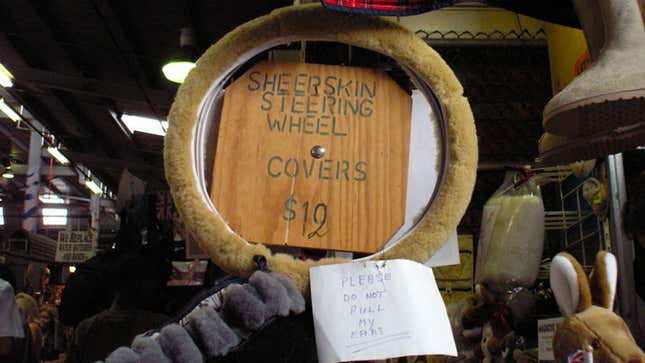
(268, 186)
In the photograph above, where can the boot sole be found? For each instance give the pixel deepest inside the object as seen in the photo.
(595, 115)
(587, 148)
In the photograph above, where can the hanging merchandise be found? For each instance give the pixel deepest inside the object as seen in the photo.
(236, 320)
(512, 235)
(600, 111)
(301, 201)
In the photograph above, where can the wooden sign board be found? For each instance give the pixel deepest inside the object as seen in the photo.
(313, 156)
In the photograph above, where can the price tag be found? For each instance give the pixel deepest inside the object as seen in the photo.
(378, 310)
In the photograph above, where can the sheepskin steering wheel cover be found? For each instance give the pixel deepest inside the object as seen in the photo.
(312, 22)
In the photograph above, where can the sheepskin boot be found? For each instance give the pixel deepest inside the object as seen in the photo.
(611, 94)
(561, 150)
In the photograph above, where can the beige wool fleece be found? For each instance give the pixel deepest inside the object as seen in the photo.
(312, 22)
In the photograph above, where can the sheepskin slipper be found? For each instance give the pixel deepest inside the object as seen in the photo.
(297, 300)
(312, 22)
(149, 350)
(123, 355)
(214, 336)
(272, 293)
(178, 345)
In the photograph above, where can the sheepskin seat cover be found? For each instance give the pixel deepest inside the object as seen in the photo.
(311, 22)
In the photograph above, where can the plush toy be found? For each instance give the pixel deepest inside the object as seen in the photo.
(511, 344)
(490, 345)
(590, 329)
(490, 308)
(527, 356)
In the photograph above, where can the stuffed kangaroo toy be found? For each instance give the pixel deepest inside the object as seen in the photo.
(590, 330)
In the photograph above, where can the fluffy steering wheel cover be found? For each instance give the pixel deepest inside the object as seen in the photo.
(312, 22)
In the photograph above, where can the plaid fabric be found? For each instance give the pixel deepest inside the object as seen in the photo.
(554, 11)
(387, 7)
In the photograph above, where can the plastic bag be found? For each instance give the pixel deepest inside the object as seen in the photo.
(511, 237)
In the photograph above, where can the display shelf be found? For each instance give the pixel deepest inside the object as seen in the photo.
(570, 223)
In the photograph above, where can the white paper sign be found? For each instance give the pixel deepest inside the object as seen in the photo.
(546, 331)
(447, 255)
(378, 309)
(74, 246)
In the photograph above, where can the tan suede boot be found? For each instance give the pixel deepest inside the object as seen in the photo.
(561, 150)
(611, 93)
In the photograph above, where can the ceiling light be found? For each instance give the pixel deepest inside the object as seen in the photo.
(54, 216)
(181, 62)
(7, 110)
(51, 199)
(144, 124)
(91, 185)
(177, 70)
(71, 269)
(8, 175)
(58, 155)
(6, 78)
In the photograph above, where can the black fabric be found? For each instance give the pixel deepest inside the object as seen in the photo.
(54, 343)
(285, 340)
(96, 337)
(88, 291)
(639, 269)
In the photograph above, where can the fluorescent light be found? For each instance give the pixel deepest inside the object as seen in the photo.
(144, 124)
(8, 175)
(51, 199)
(54, 216)
(91, 185)
(5, 77)
(1, 216)
(177, 71)
(58, 155)
(71, 269)
(7, 110)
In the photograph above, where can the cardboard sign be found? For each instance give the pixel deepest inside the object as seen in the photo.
(378, 310)
(546, 331)
(313, 156)
(74, 246)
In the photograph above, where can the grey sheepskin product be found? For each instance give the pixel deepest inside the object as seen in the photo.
(177, 344)
(214, 337)
(242, 306)
(297, 300)
(149, 350)
(123, 355)
(248, 320)
(273, 294)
